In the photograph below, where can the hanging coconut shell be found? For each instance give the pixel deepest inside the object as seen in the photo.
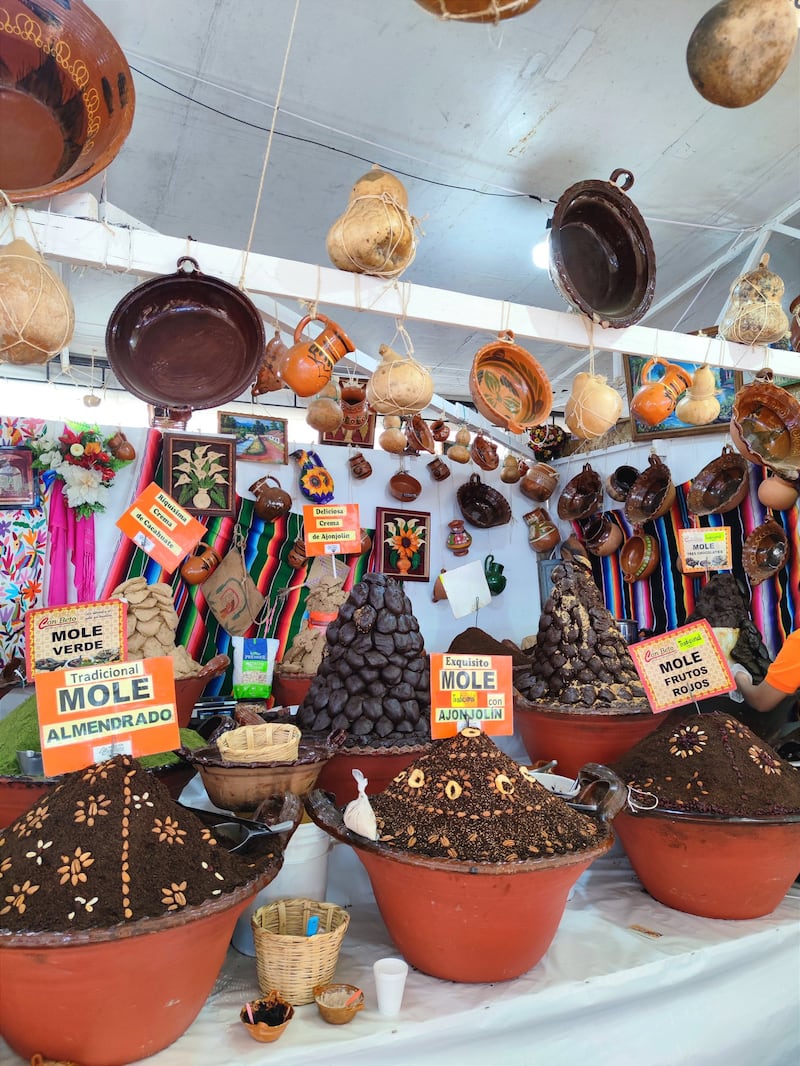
(376, 234)
(399, 385)
(593, 407)
(37, 318)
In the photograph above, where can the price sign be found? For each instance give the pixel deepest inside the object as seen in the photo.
(160, 526)
(705, 549)
(475, 690)
(331, 529)
(90, 714)
(75, 635)
(684, 665)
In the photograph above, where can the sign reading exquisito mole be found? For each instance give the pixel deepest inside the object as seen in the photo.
(75, 635)
(684, 665)
(161, 527)
(92, 713)
(331, 529)
(704, 549)
(474, 690)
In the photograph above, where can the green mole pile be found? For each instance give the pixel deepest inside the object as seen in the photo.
(711, 764)
(467, 800)
(373, 681)
(109, 845)
(580, 658)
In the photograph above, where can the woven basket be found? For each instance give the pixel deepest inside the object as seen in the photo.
(289, 961)
(270, 742)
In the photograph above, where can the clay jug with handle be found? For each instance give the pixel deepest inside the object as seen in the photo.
(308, 365)
(272, 502)
(196, 568)
(495, 578)
(658, 396)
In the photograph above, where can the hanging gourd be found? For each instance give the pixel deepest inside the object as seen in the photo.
(393, 439)
(37, 318)
(460, 452)
(376, 234)
(699, 404)
(399, 385)
(754, 314)
(324, 413)
(593, 406)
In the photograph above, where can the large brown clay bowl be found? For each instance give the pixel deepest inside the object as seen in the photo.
(652, 493)
(66, 95)
(765, 425)
(188, 690)
(581, 496)
(481, 504)
(713, 866)
(509, 387)
(58, 988)
(419, 435)
(721, 485)
(765, 551)
(404, 486)
(464, 921)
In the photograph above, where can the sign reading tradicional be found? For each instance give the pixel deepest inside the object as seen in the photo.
(474, 690)
(77, 634)
(684, 665)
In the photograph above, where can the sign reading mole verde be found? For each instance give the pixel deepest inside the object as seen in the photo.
(684, 665)
(90, 714)
(75, 635)
(471, 690)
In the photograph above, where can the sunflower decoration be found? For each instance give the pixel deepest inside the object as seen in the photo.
(406, 540)
(316, 484)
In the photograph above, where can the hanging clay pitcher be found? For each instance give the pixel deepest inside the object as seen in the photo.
(399, 385)
(754, 314)
(459, 452)
(495, 578)
(543, 533)
(393, 439)
(309, 364)
(272, 502)
(316, 484)
(657, 398)
(269, 372)
(196, 568)
(324, 413)
(593, 406)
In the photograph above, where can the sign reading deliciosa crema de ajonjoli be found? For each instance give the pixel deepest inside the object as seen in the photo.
(331, 528)
(684, 665)
(473, 690)
(92, 713)
(76, 634)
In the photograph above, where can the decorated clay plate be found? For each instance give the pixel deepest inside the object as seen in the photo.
(509, 387)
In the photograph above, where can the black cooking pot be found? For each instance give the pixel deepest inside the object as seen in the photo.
(601, 255)
(185, 340)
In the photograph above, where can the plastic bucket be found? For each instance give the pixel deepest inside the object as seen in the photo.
(304, 875)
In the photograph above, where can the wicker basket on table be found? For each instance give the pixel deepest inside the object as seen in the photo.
(270, 742)
(287, 959)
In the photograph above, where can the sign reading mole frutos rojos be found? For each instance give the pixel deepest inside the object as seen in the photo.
(471, 690)
(684, 665)
(92, 713)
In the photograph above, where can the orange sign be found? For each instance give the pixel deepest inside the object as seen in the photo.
(160, 527)
(331, 529)
(682, 666)
(90, 714)
(75, 635)
(473, 690)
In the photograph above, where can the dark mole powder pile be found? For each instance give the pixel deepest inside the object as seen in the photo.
(109, 845)
(711, 764)
(467, 800)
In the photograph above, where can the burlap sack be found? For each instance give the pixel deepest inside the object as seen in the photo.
(232, 596)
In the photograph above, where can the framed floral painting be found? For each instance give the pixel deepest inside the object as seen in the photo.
(404, 543)
(200, 473)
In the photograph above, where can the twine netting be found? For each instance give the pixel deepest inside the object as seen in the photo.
(757, 320)
(395, 244)
(493, 10)
(37, 318)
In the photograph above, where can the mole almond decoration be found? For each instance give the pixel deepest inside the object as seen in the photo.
(376, 234)
(740, 48)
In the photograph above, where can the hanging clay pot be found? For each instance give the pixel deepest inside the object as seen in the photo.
(309, 364)
(272, 502)
(458, 539)
(600, 535)
(354, 406)
(399, 385)
(419, 436)
(658, 396)
(539, 482)
(459, 452)
(484, 453)
(640, 556)
(269, 372)
(37, 318)
(376, 234)
(360, 467)
(543, 533)
(440, 430)
(393, 439)
(699, 404)
(324, 413)
(777, 494)
(593, 406)
(754, 314)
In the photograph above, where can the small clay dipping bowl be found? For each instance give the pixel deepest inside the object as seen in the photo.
(338, 1004)
(270, 1015)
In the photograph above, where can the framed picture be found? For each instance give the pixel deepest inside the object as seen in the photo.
(363, 437)
(19, 486)
(656, 385)
(403, 543)
(200, 473)
(259, 438)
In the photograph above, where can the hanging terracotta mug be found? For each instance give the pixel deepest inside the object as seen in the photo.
(439, 469)
(600, 535)
(539, 482)
(360, 467)
(658, 397)
(354, 406)
(271, 502)
(196, 568)
(543, 533)
(297, 554)
(308, 365)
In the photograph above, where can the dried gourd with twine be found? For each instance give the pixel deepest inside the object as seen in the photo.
(460, 452)
(754, 314)
(399, 385)
(393, 439)
(593, 406)
(324, 413)
(699, 404)
(376, 234)
(37, 318)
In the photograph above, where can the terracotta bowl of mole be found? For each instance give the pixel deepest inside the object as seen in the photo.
(469, 922)
(270, 1016)
(338, 1004)
(728, 867)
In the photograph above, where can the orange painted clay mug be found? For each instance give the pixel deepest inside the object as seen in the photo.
(308, 365)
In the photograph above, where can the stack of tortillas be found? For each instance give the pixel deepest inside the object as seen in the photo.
(152, 622)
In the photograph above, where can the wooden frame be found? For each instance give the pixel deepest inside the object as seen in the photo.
(363, 437)
(200, 473)
(727, 382)
(19, 486)
(392, 522)
(259, 438)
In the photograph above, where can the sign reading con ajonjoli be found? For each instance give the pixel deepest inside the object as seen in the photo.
(75, 635)
(471, 690)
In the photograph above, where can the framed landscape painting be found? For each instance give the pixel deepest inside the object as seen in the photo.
(259, 438)
(403, 543)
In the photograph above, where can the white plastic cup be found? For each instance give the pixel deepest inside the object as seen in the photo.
(390, 981)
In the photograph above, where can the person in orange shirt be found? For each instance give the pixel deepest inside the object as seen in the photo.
(782, 678)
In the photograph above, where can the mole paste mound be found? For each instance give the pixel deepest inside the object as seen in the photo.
(711, 764)
(722, 603)
(109, 845)
(374, 678)
(467, 800)
(580, 658)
